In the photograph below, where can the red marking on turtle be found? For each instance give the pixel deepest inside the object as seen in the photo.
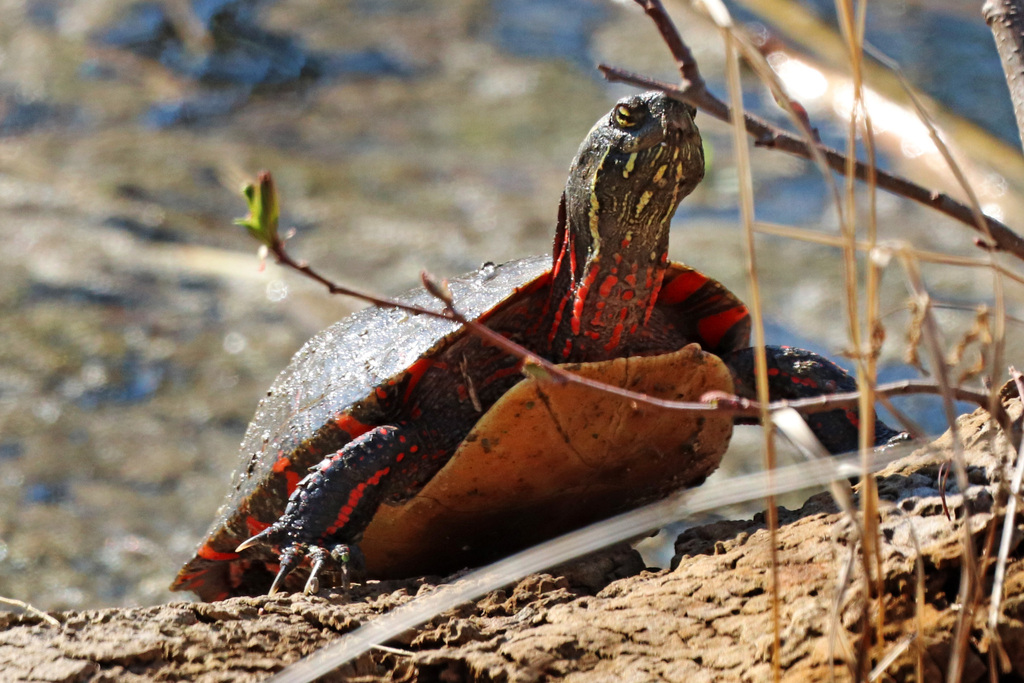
(208, 553)
(350, 425)
(284, 466)
(254, 525)
(560, 251)
(581, 296)
(616, 337)
(502, 373)
(655, 291)
(558, 321)
(617, 331)
(682, 287)
(714, 327)
(414, 374)
(606, 286)
(353, 499)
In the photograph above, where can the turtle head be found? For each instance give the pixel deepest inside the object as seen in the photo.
(611, 246)
(632, 170)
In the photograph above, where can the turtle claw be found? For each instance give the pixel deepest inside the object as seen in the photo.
(318, 558)
(341, 555)
(278, 580)
(290, 559)
(264, 538)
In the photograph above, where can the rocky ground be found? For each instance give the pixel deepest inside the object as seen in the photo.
(607, 618)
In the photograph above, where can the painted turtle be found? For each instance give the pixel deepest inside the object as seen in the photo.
(425, 445)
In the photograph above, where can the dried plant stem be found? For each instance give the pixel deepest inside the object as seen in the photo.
(883, 248)
(852, 25)
(968, 577)
(996, 349)
(760, 353)
(836, 631)
(1009, 525)
(30, 610)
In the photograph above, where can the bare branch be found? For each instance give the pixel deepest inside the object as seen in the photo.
(694, 91)
(1006, 19)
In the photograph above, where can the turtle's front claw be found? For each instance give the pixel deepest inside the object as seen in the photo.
(291, 555)
(290, 559)
(269, 537)
(341, 556)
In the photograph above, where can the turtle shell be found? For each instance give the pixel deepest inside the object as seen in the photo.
(319, 398)
(537, 465)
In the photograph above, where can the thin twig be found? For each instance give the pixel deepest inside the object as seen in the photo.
(714, 402)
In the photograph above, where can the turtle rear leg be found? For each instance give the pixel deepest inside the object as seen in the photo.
(796, 373)
(332, 505)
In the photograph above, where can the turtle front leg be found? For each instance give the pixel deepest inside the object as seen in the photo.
(797, 373)
(332, 505)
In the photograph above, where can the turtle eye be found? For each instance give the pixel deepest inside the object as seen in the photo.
(628, 117)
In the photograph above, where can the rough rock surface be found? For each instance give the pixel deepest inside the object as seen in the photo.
(605, 618)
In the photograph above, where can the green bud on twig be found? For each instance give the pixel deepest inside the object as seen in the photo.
(261, 222)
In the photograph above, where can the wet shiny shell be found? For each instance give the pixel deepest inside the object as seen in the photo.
(344, 363)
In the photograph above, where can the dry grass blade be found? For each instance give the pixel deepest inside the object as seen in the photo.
(793, 425)
(886, 248)
(969, 576)
(746, 191)
(852, 24)
(999, 332)
(30, 610)
(1009, 525)
(836, 632)
(890, 658)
